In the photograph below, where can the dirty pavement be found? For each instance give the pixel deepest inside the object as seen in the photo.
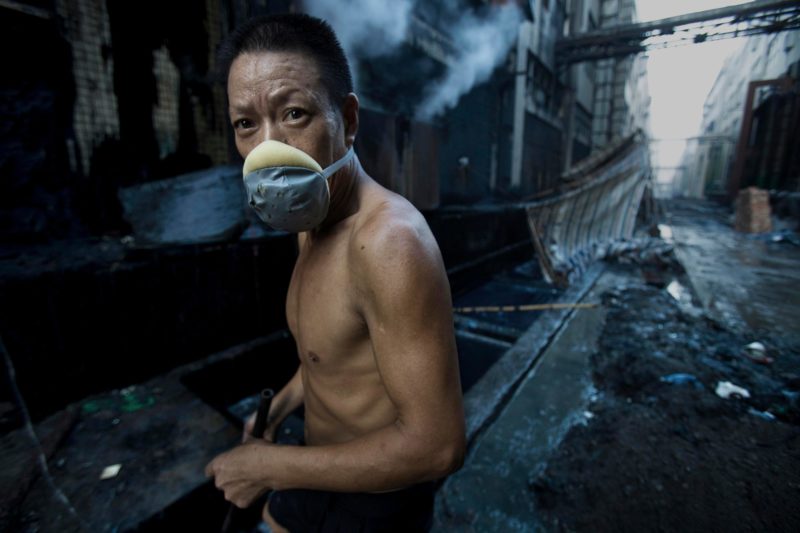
(683, 416)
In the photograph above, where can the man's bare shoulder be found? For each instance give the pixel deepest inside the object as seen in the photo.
(392, 237)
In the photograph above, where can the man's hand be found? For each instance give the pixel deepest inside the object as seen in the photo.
(247, 435)
(236, 473)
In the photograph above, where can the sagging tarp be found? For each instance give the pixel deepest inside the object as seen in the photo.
(203, 206)
(595, 208)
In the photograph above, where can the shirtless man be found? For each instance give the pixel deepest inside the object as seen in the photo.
(368, 305)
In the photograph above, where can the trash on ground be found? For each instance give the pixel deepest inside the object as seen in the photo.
(726, 390)
(766, 415)
(755, 347)
(756, 352)
(784, 235)
(111, 471)
(681, 379)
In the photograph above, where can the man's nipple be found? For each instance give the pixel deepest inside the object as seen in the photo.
(313, 357)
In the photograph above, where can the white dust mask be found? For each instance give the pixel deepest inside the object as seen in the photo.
(286, 187)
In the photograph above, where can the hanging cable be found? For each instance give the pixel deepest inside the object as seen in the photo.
(26, 417)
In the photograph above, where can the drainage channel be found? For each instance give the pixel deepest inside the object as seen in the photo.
(231, 385)
(483, 337)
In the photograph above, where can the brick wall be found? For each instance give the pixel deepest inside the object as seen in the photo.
(212, 122)
(165, 112)
(86, 28)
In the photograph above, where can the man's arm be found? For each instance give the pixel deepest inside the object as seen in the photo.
(405, 300)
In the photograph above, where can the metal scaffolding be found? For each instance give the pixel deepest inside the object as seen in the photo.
(758, 17)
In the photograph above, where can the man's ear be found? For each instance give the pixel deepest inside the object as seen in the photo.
(350, 114)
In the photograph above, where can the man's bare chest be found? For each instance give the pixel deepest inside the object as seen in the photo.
(321, 307)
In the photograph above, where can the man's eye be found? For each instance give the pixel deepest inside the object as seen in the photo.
(295, 114)
(243, 123)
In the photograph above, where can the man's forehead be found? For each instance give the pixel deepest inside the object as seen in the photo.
(262, 67)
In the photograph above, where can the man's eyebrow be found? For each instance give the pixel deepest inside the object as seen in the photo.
(284, 93)
(239, 108)
(274, 97)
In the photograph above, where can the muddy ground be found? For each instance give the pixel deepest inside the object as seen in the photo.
(661, 451)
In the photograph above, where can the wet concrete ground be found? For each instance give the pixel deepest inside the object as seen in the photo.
(618, 426)
(745, 281)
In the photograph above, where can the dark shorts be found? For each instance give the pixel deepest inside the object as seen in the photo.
(302, 511)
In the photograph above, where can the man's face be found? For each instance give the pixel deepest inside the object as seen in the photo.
(280, 96)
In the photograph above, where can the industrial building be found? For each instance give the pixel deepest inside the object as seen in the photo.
(112, 94)
(758, 86)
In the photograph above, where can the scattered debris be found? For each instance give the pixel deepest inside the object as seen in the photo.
(726, 390)
(640, 251)
(132, 401)
(126, 400)
(585, 417)
(766, 415)
(110, 471)
(756, 352)
(755, 346)
(665, 232)
(783, 235)
(752, 211)
(657, 442)
(681, 379)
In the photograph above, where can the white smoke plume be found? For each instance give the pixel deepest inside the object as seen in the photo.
(482, 43)
(366, 28)
(371, 28)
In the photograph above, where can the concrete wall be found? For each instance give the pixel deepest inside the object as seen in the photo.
(537, 100)
(583, 17)
(621, 99)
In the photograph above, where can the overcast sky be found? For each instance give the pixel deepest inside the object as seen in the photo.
(681, 77)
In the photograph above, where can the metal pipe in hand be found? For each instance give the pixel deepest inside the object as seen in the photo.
(259, 426)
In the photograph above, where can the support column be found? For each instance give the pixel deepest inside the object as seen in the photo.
(520, 96)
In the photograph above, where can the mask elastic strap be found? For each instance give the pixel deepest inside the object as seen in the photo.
(332, 169)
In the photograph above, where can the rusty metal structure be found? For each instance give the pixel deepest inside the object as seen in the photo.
(763, 156)
(752, 18)
(596, 207)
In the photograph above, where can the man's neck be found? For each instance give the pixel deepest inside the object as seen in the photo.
(344, 195)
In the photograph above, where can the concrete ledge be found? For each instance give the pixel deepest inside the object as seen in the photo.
(487, 397)
(491, 492)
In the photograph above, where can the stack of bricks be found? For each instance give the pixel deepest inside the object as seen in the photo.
(752, 211)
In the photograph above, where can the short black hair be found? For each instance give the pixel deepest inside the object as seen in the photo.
(289, 32)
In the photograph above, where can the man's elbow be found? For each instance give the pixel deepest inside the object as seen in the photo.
(450, 457)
